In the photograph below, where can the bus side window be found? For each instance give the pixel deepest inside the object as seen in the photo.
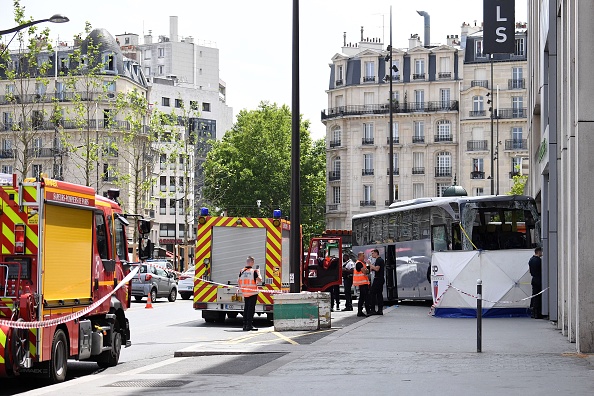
(438, 238)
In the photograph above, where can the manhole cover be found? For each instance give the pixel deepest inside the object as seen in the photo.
(149, 384)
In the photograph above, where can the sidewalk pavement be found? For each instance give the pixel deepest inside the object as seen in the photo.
(405, 352)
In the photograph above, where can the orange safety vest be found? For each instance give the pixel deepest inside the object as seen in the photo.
(359, 277)
(247, 283)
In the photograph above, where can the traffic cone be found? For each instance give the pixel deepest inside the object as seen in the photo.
(149, 303)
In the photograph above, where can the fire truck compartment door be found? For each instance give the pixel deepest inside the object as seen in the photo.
(67, 253)
(230, 248)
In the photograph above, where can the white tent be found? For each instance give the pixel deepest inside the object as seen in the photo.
(504, 274)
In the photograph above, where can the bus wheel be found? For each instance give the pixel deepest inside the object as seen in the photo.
(58, 363)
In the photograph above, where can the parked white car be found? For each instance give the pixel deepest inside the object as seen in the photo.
(185, 285)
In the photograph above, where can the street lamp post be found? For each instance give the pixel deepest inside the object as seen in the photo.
(57, 18)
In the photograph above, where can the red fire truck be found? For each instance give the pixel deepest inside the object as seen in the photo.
(63, 277)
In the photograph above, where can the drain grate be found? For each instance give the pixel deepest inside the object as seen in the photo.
(149, 384)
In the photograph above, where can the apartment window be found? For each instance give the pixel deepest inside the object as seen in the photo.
(60, 90)
(516, 134)
(147, 71)
(444, 164)
(172, 206)
(517, 73)
(179, 103)
(193, 105)
(160, 70)
(395, 97)
(37, 119)
(167, 230)
(339, 101)
(395, 163)
(444, 64)
(205, 106)
(440, 188)
(36, 170)
(419, 99)
(517, 165)
(109, 86)
(336, 195)
(477, 103)
(7, 120)
(6, 168)
(164, 101)
(336, 139)
(418, 190)
(162, 206)
(368, 132)
(336, 165)
(395, 132)
(368, 98)
(478, 191)
(367, 193)
(161, 52)
(418, 164)
(420, 67)
(163, 163)
(444, 131)
(520, 47)
(478, 48)
(108, 62)
(6, 144)
(395, 70)
(369, 71)
(478, 165)
(368, 162)
(339, 74)
(444, 96)
(419, 131)
(40, 88)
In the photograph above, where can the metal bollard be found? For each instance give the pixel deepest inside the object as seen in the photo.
(479, 315)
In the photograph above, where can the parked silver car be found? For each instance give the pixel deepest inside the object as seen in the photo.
(154, 280)
(186, 284)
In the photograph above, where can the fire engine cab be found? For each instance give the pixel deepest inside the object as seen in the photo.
(64, 281)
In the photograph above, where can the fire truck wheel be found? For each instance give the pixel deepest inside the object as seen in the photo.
(19, 345)
(172, 295)
(58, 363)
(112, 357)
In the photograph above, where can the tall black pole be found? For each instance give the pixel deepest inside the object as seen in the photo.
(391, 177)
(492, 148)
(295, 237)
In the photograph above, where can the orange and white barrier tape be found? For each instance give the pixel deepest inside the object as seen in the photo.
(73, 316)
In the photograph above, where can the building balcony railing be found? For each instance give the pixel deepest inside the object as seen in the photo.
(418, 139)
(476, 145)
(7, 153)
(369, 79)
(42, 152)
(335, 143)
(395, 172)
(418, 76)
(477, 113)
(338, 83)
(516, 144)
(59, 96)
(395, 140)
(477, 175)
(516, 83)
(514, 173)
(367, 141)
(397, 107)
(366, 203)
(444, 75)
(443, 138)
(443, 171)
(519, 112)
(418, 170)
(333, 175)
(367, 172)
(480, 83)
(393, 78)
(70, 124)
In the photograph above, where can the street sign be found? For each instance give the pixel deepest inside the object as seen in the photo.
(499, 20)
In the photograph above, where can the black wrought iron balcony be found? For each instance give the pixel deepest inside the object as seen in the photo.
(333, 175)
(393, 78)
(396, 172)
(516, 83)
(367, 141)
(418, 170)
(338, 83)
(367, 172)
(477, 175)
(418, 139)
(369, 79)
(519, 112)
(367, 203)
(40, 152)
(516, 144)
(443, 171)
(384, 108)
(477, 113)
(444, 75)
(418, 76)
(7, 153)
(335, 143)
(395, 140)
(476, 145)
(480, 83)
(443, 138)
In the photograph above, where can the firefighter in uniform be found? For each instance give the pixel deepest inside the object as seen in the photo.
(248, 285)
(361, 280)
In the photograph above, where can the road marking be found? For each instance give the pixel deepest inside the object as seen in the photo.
(285, 338)
(246, 337)
(152, 366)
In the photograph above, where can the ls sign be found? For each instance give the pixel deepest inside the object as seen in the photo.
(499, 26)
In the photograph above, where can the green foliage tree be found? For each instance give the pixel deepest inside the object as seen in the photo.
(25, 71)
(519, 184)
(253, 162)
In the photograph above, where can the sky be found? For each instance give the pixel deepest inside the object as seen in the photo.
(254, 37)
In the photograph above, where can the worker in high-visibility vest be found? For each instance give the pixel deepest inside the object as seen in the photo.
(361, 279)
(248, 281)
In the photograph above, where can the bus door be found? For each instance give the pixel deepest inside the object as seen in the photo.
(323, 266)
(391, 286)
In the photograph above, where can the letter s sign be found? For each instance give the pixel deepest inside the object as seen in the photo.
(499, 26)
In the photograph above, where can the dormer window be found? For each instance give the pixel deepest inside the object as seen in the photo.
(369, 71)
(339, 75)
(109, 62)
